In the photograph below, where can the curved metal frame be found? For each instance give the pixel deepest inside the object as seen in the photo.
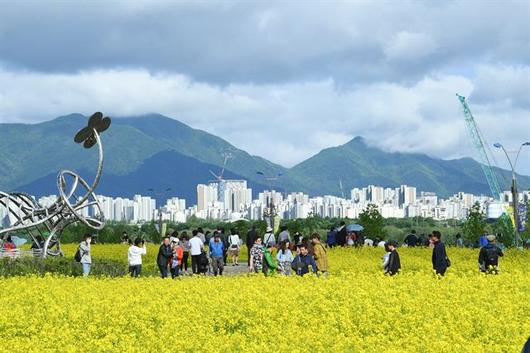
(36, 220)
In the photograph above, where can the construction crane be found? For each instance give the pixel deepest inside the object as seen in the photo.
(226, 156)
(480, 144)
(341, 187)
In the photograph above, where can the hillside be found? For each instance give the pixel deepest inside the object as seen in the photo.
(359, 164)
(153, 151)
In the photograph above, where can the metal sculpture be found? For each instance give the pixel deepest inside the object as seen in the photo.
(77, 201)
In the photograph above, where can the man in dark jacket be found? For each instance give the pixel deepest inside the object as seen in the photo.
(411, 240)
(488, 258)
(251, 237)
(302, 262)
(394, 263)
(342, 234)
(162, 260)
(440, 262)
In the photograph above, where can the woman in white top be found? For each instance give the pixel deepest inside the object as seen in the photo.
(285, 258)
(135, 254)
(233, 247)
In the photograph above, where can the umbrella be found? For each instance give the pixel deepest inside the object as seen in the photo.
(354, 227)
(18, 241)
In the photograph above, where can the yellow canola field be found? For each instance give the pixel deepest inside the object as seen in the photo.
(356, 309)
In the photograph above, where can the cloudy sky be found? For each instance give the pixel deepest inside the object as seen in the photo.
(279, 79)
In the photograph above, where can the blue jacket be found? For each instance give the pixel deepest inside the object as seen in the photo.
(216, 248)
(301, 264)
(331, 239)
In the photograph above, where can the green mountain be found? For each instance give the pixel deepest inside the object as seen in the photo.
(33, 154)
(357, 164)
(30, 152)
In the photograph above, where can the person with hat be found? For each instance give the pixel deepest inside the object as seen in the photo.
(393, 265)
(488, 258)
(268, 238)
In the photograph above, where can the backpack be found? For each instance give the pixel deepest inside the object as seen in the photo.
(77, 256)
(492, 256)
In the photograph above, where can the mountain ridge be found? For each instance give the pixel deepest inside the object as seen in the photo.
(36, 151)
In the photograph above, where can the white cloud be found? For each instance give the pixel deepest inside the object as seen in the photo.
(409, 46)
(285, 122)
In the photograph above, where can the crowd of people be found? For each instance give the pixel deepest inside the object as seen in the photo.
(285, 254)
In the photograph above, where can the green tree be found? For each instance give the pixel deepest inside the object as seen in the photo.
(372, 221)
(504, 228)
(475, 224)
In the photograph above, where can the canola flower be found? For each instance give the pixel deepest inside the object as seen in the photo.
(356, 309)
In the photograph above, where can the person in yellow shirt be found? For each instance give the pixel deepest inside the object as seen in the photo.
(320, 254)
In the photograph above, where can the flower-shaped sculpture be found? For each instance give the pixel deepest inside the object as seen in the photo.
(77, 201)
(96, 124)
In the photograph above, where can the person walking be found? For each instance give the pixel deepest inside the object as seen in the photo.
(216, 249)
(164, 254)
(251, 236)
(256, 256)
(440, 261)
(320, 255)
(86, 257)
(176, 260)
(185, 243)
(488, 258)
(285, 258)
(134, 256)
(196, 248)
(331, 237)
(268, 238)
(342, 234)
(393, 265)
(224, 239)
(302, 262)
(234, 247)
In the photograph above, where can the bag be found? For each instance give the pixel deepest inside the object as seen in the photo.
(233, 245)
(77, 256)
(448, 261)
(492, 256)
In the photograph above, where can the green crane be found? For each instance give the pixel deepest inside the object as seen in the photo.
(479, 143)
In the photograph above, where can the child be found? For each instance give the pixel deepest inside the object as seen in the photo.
(176, 260)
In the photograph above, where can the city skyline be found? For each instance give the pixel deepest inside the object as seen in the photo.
(401, 202)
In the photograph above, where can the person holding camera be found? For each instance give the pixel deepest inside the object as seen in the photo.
(134, 255)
